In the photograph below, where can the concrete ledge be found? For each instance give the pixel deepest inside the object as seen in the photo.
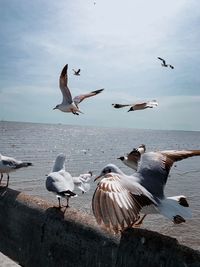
(33, 233)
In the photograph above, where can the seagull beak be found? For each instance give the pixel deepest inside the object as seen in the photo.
(55, 108)
(97, 178)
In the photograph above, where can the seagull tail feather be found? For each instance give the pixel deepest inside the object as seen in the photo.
(23, 164)
(175, 207)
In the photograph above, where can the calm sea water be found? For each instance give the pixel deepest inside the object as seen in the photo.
(90, 148)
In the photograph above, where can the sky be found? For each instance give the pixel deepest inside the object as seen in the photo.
(116, 45)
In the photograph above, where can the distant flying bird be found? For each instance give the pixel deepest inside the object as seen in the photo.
(68, 104)
(8, 164)
(164, 63)
(132, 159)
(119, 198)
(83, 181)
(76, 72)
(59, 181)
(137, 106)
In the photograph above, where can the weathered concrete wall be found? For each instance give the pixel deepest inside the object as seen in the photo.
(34, 233)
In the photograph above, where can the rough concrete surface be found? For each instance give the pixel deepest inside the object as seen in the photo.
(33, 233)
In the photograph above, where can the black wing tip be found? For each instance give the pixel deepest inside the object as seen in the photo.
(64, 70)
(98, 91)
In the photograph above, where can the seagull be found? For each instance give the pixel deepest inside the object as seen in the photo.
(8, 164)
(76, 72)
(132, 159)
(68, 104)
(59, 181)
(83, 181)
(163, 64)
(119, 198)
(138, 106)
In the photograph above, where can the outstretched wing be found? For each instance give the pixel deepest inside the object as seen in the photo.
(164, 62)
(172, 156)
(67, 98)
(121, 105)
(155, 167)
(78, 99)
(117, 206)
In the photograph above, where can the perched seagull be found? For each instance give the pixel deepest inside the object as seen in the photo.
(119, 198)
(83, 181)
(8, 164)
(59, 181)
(68, 104)
(163, 64)
(132, 159)
(76, 72)
(138, 106)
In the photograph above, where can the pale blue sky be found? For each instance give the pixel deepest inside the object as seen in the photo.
(116, 44)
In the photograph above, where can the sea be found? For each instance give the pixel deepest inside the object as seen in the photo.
(89, 148)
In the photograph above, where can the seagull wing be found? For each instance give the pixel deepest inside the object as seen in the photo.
(140, 106)
(155, 167)
(78, 71)
(117, 204)
(121, 105)
(164, 62)
(67, 98)
(78, 99)
(59, 182)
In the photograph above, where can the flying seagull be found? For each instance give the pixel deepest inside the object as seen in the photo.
(119, 198)
(163, 64)
(8, 164)
(59, 181)
(132, 159)
(76, 72)
(68, 104)
(138, 106)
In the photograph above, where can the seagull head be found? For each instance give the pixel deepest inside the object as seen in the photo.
(108, 169)
(56, 107)
(122, 158)
(141, 149)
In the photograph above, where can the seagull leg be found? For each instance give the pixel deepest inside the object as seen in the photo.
(59, 204)
(139, 222)
(1, 177)
(75, 113)
(8, 177)
(67, 202)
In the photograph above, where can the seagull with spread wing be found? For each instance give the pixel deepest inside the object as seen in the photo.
(138, 106)
(68, 104)
(132, 159)
(119, 199)
(163, 64)
(77, 72)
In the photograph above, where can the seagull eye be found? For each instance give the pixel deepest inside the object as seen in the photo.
(109, 170)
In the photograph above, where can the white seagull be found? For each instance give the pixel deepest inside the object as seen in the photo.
(163, 64)
(59, 181)
(119, 199)
(77, 72)
(83, 181)
(68, 104)
(138, 106)
(132, 159)
(8, 164)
